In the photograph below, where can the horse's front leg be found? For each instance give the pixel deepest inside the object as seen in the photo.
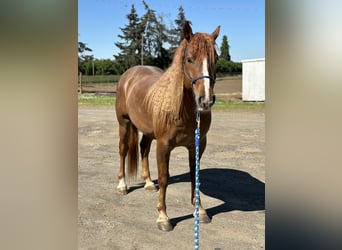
(163, 157)
(203, 217)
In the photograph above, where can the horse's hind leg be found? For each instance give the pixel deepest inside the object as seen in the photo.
(123, 150)
(203, 217)
(145, 145)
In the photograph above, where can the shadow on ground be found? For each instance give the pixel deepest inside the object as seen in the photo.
(237, 190)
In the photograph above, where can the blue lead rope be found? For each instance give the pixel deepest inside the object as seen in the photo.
(197, 145)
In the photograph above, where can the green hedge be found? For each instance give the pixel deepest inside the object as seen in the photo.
(225, 66)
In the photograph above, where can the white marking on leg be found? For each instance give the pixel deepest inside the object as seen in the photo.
(206, 81)
(122, 184)
(162, 217)
(148, 183)
(150, 186)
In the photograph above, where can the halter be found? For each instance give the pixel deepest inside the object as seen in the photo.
(193, 80)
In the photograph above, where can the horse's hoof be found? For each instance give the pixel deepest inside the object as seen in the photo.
(150, 187)
(122, 190)
(165, 226)
(204, 218)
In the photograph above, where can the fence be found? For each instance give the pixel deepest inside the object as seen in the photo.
(106, 84)
(97, 83)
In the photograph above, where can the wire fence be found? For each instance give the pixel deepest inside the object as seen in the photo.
(99, 79)
(97, 83)
(106, 84)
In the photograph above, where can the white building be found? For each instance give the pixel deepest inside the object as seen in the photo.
(253, 80)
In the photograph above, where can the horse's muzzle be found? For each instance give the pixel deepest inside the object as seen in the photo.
(204, 103)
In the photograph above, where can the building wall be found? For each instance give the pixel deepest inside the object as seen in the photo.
(253, 80)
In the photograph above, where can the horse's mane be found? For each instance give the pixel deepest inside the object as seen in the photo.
(164, 98)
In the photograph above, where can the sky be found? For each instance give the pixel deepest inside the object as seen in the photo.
(242, 21)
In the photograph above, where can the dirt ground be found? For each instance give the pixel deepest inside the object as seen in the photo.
(232, 187)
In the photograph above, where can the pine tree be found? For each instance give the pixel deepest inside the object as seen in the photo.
(225, 49)
(82, 47)
(176, 34)
(149, 24)
(163, 59)
(130, 48)
(82, 57)
(154, 37)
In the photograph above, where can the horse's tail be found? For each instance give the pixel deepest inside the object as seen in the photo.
(133, 151)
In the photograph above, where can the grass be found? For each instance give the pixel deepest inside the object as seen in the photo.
(220, 104)
(96, 100)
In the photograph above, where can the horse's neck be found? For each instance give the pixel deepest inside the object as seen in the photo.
(170, 88)
(188, 108)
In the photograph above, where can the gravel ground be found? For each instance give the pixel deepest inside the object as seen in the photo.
(232, 188)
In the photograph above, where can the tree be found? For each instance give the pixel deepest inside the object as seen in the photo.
(149, 27)
(163, 58)
(224, 66)
(104, 67)
(143, 39)
(88, 65)
(225, 49)
(176, 33)
(82, 57)
(82, 47)
(155, 36)
(130, 48)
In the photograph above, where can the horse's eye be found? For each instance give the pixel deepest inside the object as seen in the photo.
(190, 60)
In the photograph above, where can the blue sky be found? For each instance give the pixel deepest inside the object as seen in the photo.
(243, 21)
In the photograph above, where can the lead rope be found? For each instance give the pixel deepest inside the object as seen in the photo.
(197, 145)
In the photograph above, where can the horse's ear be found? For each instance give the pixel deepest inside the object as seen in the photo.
(187, 31)
(216, 32)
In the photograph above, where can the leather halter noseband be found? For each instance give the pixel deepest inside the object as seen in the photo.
(193, 80)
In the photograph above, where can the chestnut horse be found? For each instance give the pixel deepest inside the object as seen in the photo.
(163, 106)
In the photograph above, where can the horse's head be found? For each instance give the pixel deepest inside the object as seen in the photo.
(199, 65)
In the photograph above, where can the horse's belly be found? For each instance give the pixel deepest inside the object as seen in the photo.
(142, 121)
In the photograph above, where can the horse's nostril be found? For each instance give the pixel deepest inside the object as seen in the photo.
(201, 99)
(206, 103)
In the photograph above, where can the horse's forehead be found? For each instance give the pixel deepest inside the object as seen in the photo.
(201, 45)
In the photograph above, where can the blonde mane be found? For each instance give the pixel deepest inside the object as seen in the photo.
(164, 98)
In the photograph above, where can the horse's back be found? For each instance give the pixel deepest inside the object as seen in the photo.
(137, 80)
(131, 91)
(142, 75)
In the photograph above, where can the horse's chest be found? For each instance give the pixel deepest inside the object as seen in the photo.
(183, 138)
(185, 133)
